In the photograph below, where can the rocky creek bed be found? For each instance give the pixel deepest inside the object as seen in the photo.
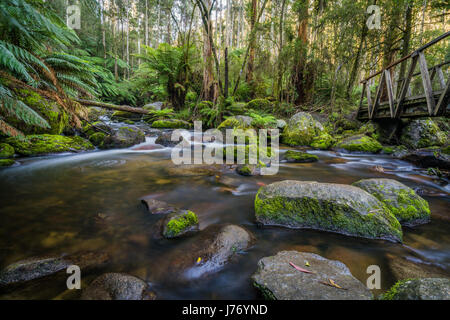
(145, 228)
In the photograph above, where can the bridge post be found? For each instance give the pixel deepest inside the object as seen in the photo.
(426, 83)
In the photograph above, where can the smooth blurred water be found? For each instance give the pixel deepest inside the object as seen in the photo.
(51, 205)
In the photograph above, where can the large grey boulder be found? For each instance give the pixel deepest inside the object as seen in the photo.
(302, 130)
(409, 208)
(125, 137)
(419, 289)
(422, 133)
(117, 286)
(329, 207)
(277, 279)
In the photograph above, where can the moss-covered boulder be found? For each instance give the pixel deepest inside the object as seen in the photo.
(323, 142)
(277, 279)
(301, 130)
(260, 104)
(427, 158)
(300, 157)
(247, 170)
(94, 113)
(154, 106)
(33, 145)
(409, 208)
(123, 116)
(90, 128)
(6, 151)
(6, 162)
(179, 224)
(171, 124)
(330, 207)
(57, 118)
(125, 137)
(236, 122)
(422, 133)
(359, 143)
(97, 139)
(419, 289)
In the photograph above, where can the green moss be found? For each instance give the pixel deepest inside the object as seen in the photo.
(401, 201)
(388, 150)
(311, 213)
(446, 150)
(6, 151)
(303, 130)
(245, 170)
(180, 223)
(33, 145)
(300, 157)
(57, 118)
(392, 293)
(6, 162)
(171, 124)
(260, 104)
(248, 150)
(360, 143)
(97, 138)
(323, 142)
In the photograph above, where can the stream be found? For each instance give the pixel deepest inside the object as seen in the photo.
(90, 201)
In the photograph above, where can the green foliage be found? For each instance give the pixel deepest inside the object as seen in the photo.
(262, 121)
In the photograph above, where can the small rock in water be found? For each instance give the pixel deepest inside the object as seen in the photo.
(403, 268)
(278, 277)
(179, 224)
(117, 286)
(158, 207)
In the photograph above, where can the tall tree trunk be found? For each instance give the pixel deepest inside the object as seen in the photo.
(278, 86)
(406, 38)
(251, 57)
(225, 90)
(356, 62)
(301, 84)
(146, 22)
(209, 92)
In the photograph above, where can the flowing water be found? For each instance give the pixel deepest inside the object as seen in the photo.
(91, 202)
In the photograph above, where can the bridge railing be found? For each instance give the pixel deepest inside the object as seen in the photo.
(392, 95)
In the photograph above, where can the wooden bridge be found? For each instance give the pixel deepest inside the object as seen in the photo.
(407, 97)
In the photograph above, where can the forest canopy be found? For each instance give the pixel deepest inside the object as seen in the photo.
(204, 58)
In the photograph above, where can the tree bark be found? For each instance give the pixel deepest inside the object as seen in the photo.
(89, 103)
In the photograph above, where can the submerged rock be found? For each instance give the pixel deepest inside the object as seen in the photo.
(300, 157)
(359, 143)
(39, 267)
(422, 133)
(33, 145)
(329, 207)
(247, 170)
(301, 130)
(403, 268)
(117, 286)
(179, 224)
(158, 207)
(428, 158)
(213, 253)
(125, 137)
(419, 289)
(277, 279)
(409, 208)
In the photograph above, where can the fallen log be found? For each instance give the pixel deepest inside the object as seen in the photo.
(90, 103)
